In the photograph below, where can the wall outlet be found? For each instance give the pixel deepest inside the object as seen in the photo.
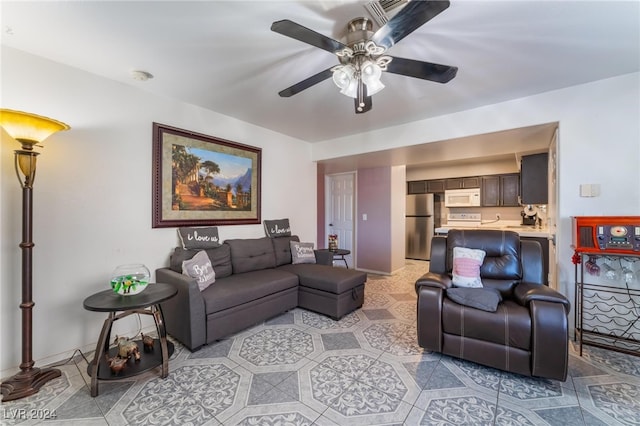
(497, 216)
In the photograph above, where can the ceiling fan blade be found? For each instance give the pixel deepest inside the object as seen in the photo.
(306, 83)
(409, 19)
(305, 35)
(424, 70)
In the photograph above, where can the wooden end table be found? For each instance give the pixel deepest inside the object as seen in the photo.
(145, 303)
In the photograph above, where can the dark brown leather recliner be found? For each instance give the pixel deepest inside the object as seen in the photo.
(527, 334)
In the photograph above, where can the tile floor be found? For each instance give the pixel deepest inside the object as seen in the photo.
(302, 368)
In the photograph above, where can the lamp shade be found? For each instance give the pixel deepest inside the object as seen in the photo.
(29, 128)
(344, 78)
(371, 74)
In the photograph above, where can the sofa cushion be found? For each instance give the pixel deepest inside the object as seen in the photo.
(302, 252)
(510, 325)
(502, 248)
(246, 287)
(322, 277)
(220, 259)
(486, 299)
(200, 268)
(251, 254)
(282, 249)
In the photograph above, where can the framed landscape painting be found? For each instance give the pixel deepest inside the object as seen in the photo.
(200, 180)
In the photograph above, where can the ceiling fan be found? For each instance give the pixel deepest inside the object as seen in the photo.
(362, 58)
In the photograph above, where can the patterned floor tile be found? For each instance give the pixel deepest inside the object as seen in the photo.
(218, 349)
(421, 372)
(290, 414)
(403, 297)
(375, 300)
(377, 314)
(322, 322)
(303, 368)
(568, 416)
(462, 406)
(338, 341)
(394, 337)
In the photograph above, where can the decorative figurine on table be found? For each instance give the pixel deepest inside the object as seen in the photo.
(333, 242)
(116, 364)
(127, 348)
(147, 342)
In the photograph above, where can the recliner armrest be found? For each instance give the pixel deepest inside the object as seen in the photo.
(524, 293)
(438, 260)
(431, 279)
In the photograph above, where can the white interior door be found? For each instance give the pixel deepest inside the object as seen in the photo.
(552, 209)
(341, 212)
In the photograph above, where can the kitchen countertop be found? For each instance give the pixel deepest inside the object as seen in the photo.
(522, 230)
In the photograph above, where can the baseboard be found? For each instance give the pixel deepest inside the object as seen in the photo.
(372, 271)
(65, 356)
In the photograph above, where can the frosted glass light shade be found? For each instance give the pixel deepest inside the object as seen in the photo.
(28, 128)
(371, 74)
(344, 78)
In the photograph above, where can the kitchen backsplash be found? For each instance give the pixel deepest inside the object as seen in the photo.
(489, 213)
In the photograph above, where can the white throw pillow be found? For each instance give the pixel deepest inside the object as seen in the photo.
(466, 267)
(200, 268)
(302, 253)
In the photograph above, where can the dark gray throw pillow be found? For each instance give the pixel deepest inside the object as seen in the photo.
(486, 299)
(199, 238)
(277, 228)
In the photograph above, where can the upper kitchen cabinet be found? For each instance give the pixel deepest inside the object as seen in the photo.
(417, 187)
(463, 183)
(533, 179)
(435, 186)
(426, 186)
(500, 190)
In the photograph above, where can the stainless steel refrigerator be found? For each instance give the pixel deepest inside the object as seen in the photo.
(420, 218)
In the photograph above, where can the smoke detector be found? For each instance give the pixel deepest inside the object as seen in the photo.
(141, 75)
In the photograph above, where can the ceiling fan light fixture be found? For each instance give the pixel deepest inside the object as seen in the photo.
(371, 73)
(344, 78)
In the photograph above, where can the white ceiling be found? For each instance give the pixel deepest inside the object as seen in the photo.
(222, 56)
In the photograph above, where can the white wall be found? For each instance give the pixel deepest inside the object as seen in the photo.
(488, 167)
(599, 142)
(92, 196)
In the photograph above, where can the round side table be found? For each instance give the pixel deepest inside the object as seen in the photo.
(338, 254)
(145, 303)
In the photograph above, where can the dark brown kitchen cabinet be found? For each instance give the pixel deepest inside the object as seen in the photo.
(463, 183)
(500, 190)
(417, 187)
(435, 186)
(490, 191)
(510, 190)
(533, 179)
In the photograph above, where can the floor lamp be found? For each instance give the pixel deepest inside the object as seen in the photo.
(29, 130)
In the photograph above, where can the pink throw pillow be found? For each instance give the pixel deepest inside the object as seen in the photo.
(466, 267)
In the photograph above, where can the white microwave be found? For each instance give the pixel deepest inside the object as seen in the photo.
(462, 197)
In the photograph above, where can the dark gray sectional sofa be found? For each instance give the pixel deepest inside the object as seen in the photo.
(255, 280)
